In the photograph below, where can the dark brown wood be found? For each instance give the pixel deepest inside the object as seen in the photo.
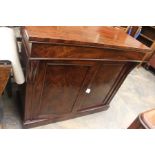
(152, 62)
(5, 70)
(97, 36)
(145, 120)
(136, 124)
(100, 85)
(74, 71)
(64, 52)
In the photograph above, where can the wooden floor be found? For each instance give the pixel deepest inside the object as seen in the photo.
(136, 95)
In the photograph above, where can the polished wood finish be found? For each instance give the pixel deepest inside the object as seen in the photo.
(5, 71)
(100, 85)
(97, 36)
(146, 120)
(74, 71)
(152, 62)
(136, 124)
(64, 52)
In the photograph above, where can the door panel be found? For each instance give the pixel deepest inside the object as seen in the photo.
(61, 86)
(99, 86)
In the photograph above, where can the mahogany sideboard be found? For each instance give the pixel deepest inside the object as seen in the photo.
(74, 71)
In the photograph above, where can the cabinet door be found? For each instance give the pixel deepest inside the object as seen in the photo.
(99, 87)
(57, 85)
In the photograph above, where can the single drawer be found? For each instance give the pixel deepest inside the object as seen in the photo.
(49, 51)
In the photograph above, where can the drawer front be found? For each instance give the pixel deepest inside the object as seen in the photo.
(48, 51)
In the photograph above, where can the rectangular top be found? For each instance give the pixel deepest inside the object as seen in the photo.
(96, 36)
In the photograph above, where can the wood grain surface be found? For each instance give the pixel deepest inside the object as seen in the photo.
(74, 71)
(98, 36)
